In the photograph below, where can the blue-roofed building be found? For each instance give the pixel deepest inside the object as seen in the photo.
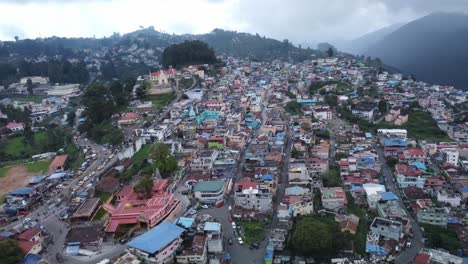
(32, 259)
(388, 196)
(36, 180)
(269, 253)
(307, 101)
(185, 222)
(213, 227)
(419, 165)
(159, 244)
(21, 193)
(395, 142)
(464, 192)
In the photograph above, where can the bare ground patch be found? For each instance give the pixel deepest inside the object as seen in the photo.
(16, 177)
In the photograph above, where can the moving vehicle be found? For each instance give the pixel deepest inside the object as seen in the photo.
(230, 241)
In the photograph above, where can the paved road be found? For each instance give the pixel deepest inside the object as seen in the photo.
(407, 255)
(240, 254)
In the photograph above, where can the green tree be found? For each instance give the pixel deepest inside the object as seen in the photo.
(331, 178)
(391, 162)
(28, 135)
(331, 100)
(140, 92)
(316, 237)
(294, 108)
(163, 160)
(295, 154)
(382, 106)
(30, 86)
(71, 118)
(10, 252)
(186, 53)
(144, 187)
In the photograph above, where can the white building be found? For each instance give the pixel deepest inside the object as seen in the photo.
(61, 90)
(322, 113)
(450, 198)
(450, 156)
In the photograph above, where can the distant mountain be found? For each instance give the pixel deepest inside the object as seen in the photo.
(433, 48)
(130, 55)
(230, 42)
(362, 44)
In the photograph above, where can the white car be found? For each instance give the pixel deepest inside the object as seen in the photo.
(205, 206)
(234, 225)
(26, 220)
(241, 242)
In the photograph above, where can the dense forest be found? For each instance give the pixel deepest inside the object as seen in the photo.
(186, 53)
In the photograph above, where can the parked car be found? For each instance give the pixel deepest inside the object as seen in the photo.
(234, 226)
(205, 206)
(229, 218)
(241, 242)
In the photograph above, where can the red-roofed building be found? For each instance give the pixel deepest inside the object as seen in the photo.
(58, 164)
(422, 259)
(412, 193)
(29, 247)
(131, 209)
(15, 127)
(409, 176)
(414, 154)
(128, 118)
(250, 195)
(434, 183)
(214, 104)
(333, 198)
(162, 77)
(31, 234)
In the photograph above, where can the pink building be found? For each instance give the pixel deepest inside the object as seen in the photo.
(131, 209)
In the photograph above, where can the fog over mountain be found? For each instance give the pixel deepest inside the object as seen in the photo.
(434, 48)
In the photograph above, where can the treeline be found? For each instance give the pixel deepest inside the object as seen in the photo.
(186, 53)
(58, 71)
(101, 101)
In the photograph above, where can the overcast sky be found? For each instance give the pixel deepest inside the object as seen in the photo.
(300, 21)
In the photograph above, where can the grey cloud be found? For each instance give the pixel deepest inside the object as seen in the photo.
(306, 21)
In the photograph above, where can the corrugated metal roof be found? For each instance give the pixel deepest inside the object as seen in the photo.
(157, 238)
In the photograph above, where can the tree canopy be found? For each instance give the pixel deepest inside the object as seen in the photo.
(101, 102)
(144, 187)
(186, 53)
(10, 252)
(316, 236)
(163, 160)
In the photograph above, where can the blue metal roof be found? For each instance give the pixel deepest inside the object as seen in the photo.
(22, 191)
(57, 175)
(185, 222)
(398, 142)
(418, 165)
(31, 259)
(388, 196)
(157, 238)
(212, 226)
(37, 179)
(464, 189)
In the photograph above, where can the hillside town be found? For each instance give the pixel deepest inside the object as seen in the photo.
(328, 160)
